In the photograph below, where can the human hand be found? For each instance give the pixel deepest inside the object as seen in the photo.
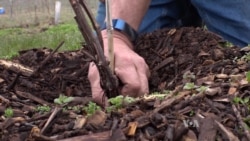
(130, 68)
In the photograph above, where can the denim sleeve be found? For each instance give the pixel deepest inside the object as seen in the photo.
(161, 13)
(228, 18)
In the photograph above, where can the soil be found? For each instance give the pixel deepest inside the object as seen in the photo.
(202, 93)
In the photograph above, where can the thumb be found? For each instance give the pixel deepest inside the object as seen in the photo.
(94, 78)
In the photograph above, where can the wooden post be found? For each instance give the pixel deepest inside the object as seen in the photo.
(11, 8)
(57, 11)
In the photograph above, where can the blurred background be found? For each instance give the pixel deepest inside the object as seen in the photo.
(28, 24)
(23, 13)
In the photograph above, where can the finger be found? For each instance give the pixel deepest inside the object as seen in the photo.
(94, 78)
(130, 79)
(143, 73)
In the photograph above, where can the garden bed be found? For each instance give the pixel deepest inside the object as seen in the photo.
(199, 91)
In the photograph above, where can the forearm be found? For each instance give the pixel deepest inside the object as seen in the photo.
(131, 11)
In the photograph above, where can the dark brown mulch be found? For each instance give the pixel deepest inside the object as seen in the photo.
(176, 57)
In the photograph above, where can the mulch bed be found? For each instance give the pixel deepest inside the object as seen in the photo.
(216, 107)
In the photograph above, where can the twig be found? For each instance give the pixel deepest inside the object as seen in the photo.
(244, 126)
(94, 46)
(31, 97)
(17, 68)
(52, 116)
(170, 101)
(93, 22)
(228, 133)
(48, 58)
(103, 136)
(13, 83)
(42, 137)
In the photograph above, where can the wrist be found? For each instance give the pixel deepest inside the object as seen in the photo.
(123, 27)
(118, 35)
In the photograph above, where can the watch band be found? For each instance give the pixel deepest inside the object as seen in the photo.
(122, 26)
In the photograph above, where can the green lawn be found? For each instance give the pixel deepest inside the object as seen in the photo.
(13, 40)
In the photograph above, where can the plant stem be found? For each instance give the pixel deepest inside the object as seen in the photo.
(110, 34)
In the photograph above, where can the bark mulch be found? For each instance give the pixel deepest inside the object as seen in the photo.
(199, 92)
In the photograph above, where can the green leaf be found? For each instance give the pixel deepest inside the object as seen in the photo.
(248, 76)
(67, 99)
(246, 100)
(57, 101)
(8, 113)
(117, 101)
(62, 99)
(202, 89)
(129, 99)
(43, 109)
(189, 86)
(236, 100)
(91, 108)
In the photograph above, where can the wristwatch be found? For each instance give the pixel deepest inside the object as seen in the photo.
(122, 26)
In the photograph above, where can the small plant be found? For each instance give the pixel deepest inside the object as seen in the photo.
(238, 100)
(226, 44)
(118, 102)
(91, 108)
(8, 113)
(248, 76)
(202, 89)
(43, 109)
(76, 109)
(167, 92)
(110, 109)
(160, 96)
(189, 86)
(192, 113)
(188, 76)
(62, 99)
(246, 57)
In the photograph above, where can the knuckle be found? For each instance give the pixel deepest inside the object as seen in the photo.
(140, 60)
(135, 87)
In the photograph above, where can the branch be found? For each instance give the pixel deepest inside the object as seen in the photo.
(94, 46)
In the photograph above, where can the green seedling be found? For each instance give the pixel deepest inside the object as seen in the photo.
(192, 113)
(91, 108)
(188, 76)
(8, 113)
(110, 109)
(189, 86)
(238, 100)
(202, 89)
(62, 99)
(159, 96)
(116, 101)
(167, 92)
(248, 76)
(76, 109)
(120, 100)
(246, 57)
(226, 44)
(43, 109)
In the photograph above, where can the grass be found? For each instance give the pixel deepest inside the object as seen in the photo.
(13, 40)
(30, 28)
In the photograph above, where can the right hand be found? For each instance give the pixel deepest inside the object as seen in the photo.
(130, 68)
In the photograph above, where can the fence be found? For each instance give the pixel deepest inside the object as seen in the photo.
(23, 13)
